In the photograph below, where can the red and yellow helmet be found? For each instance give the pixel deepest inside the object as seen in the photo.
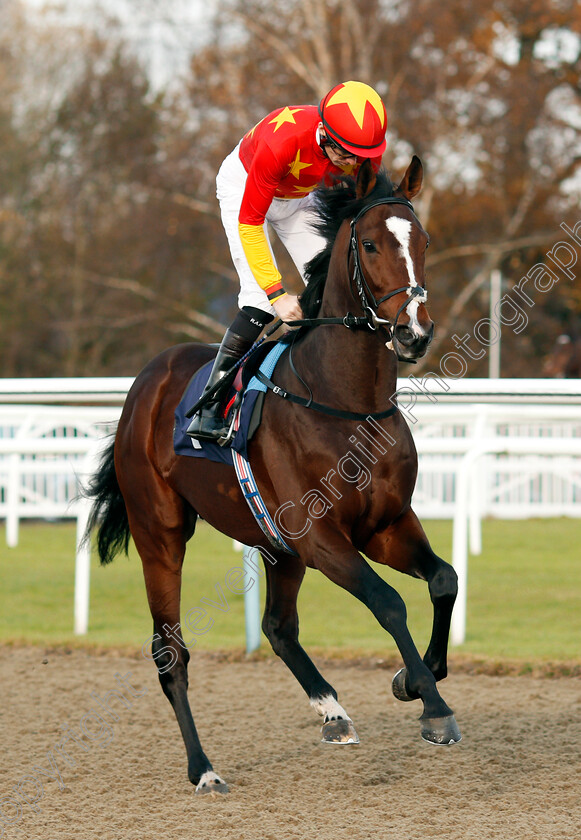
(354, 115)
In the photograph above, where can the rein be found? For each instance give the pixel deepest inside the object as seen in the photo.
(370, 319)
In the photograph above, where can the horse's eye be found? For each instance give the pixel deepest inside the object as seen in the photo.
(428, 243)
(369, 246)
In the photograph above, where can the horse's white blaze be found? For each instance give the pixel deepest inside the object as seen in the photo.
(329, 708)
(401, 229)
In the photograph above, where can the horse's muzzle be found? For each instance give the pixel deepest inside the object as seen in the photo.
(410, 345)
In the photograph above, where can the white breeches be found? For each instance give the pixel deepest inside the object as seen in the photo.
(291, 219)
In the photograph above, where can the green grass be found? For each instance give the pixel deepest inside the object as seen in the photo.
(523, 595)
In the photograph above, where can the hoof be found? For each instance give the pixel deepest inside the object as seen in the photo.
(442, 731)
(398, 687)
(211, 783)
(339, 731)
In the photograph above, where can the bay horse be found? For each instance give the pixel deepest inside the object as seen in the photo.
(335, 507)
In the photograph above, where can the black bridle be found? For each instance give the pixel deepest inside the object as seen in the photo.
(361, 284)
(368, 301)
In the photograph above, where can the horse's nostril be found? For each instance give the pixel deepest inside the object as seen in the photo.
(404, 335)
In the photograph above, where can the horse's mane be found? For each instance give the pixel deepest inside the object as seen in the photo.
(333, 205)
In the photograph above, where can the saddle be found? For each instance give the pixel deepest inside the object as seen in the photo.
(244, 411)
(242, 407)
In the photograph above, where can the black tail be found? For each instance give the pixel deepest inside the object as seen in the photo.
(108, 514)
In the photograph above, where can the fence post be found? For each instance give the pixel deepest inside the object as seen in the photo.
(82, 570)
(460, 554)
(251, 602)
(12, 500)
(83, 552)
(460, 543)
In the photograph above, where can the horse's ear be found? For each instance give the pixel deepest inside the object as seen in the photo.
(366, 179)
(411, 182)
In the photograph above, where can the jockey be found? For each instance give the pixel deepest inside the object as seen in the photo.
(269, 177)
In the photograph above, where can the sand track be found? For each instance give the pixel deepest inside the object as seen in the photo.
(515, 776)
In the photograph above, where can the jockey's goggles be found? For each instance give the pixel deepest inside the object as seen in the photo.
(336, 147)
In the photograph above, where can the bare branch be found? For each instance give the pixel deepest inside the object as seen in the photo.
(187, 329)
(316, 17)
(137, 288)
(492, 261)
(356, 34)
(309, 72)
(480, 249)
(225, 271)
(184, 200)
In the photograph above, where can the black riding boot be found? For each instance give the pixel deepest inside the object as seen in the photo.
(208, 423)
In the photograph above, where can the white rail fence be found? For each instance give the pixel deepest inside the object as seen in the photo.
(506, 448)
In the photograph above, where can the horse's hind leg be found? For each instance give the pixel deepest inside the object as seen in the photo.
(160, 527)
(281, 626)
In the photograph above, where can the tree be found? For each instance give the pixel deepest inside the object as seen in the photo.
(110, 264)
(486, 94)
(111, 246)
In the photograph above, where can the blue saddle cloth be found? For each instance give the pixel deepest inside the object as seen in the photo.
(185, 445)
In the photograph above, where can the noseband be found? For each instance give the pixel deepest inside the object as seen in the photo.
(368, 301)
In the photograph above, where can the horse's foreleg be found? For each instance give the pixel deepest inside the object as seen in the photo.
(405, 547)
(281, 626)
(347, 568)
(443, 588)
